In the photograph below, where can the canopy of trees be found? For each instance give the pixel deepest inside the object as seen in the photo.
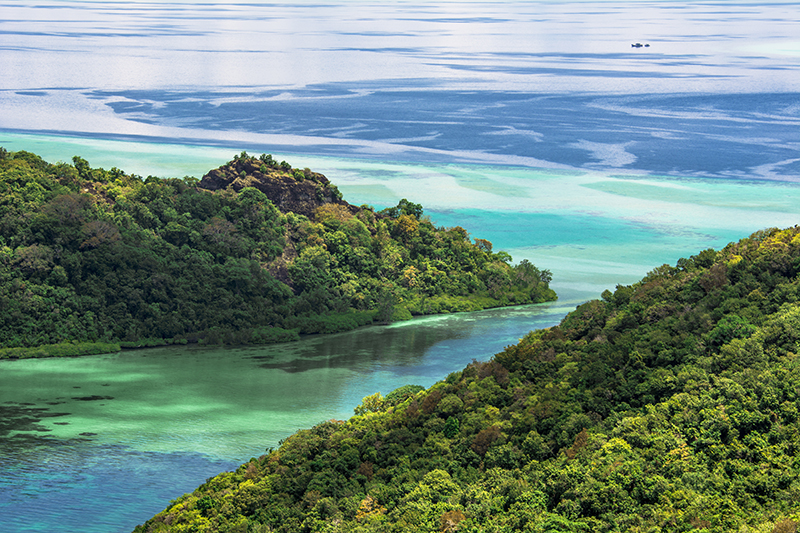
(89, 255)
(668, 405)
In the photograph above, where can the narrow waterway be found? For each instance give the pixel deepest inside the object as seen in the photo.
(100, 443)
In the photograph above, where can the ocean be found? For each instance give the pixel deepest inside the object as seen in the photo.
(538, 125)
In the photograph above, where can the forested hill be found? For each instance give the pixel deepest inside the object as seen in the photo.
(668, 405)
(256, 252)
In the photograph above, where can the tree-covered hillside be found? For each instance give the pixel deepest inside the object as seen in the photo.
(669, 405)
(91, 256)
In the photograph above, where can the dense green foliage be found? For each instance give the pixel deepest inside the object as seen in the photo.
(94, 255)
(669, 405)
(65, 349)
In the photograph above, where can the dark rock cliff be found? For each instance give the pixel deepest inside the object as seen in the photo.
(291, 190)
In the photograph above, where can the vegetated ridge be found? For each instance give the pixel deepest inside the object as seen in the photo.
(255, 252)
(668, 405)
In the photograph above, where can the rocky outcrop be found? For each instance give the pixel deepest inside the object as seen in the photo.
(290, 189)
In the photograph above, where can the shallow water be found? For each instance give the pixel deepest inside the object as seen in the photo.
(534, 124)
(101, 443)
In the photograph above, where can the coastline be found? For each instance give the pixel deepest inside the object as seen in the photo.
(79, 349)
(578, 224)
(318, 265)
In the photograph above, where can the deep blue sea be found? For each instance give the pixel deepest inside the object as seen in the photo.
(539, 125)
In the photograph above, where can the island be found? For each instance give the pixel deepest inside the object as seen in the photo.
(95, 260)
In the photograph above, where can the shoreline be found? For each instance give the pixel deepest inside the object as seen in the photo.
(81, 349)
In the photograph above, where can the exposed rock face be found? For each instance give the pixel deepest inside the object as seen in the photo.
(291, 190)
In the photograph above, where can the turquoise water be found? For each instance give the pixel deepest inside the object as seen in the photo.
(101, 443)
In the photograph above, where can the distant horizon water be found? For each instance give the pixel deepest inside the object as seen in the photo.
(546, 85)
(536, 125)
